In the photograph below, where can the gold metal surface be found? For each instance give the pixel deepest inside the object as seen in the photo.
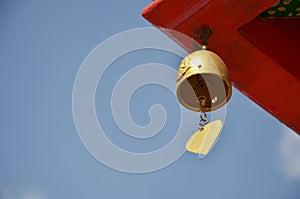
(203, 140)
(203, 82)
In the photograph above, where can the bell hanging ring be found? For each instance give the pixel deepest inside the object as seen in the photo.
(202, 82)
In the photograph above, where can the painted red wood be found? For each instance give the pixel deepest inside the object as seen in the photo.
(255, 69)
(277, 38)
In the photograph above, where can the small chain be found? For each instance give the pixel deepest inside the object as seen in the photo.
(203, 120)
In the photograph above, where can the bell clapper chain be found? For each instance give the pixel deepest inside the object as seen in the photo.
(203, 120)
(195, 70)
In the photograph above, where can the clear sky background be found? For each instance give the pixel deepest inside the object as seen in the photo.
(42, 45)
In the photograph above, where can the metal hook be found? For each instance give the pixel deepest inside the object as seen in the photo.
(203, 33)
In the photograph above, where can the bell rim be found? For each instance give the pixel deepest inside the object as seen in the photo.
(198, 109)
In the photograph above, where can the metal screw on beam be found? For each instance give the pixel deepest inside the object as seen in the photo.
(203, 33)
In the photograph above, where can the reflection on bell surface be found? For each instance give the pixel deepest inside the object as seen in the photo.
(203, 82)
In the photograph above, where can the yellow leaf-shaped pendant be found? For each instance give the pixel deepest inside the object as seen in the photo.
(203, 140)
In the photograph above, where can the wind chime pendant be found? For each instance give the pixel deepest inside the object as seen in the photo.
(205, 137)
(203, 85)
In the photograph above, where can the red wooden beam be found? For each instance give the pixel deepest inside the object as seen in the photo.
(278, 38)
(254, 68)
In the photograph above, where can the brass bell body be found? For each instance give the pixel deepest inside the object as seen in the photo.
(203, 82)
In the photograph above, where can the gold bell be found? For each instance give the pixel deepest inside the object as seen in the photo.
(202, 82)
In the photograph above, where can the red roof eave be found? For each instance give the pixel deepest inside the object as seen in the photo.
(254, 72)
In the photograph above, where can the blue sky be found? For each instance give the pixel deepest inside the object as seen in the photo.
(41, 156)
